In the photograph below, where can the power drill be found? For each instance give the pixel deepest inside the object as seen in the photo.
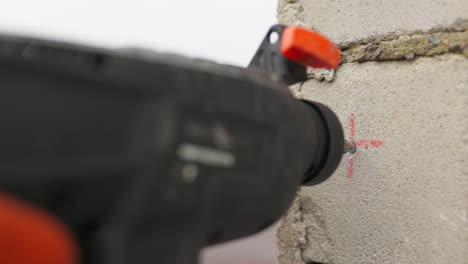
(119, 156)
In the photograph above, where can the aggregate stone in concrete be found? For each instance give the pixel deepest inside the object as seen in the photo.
(291, 235)
(346, 21)
(405, 200)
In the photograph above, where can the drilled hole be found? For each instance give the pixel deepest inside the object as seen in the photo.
(353, 148)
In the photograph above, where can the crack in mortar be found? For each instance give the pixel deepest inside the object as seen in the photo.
(439, 41)
(402, 47)
(459, 25)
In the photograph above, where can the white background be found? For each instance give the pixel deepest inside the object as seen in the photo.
(226, 31)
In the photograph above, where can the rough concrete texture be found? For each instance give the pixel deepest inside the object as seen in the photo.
(404, 47)
(292, 235)
(350, 21)
(402, 94)
(408, 47)
(405, 200)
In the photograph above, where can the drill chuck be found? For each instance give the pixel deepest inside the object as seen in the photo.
(330, 142)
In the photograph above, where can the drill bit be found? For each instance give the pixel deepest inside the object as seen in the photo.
(349, 147)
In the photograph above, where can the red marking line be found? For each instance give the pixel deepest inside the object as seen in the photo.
(361, 143)
(367, 143)
(351, 168)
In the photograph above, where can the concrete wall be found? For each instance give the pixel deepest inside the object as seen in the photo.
(402, 95)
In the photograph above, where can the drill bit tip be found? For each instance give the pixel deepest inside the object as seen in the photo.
(349, 147)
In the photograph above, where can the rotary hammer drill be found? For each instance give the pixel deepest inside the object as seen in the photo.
(119, 157)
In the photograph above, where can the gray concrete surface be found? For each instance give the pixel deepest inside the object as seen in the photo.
(402, 95)
(348, 21)
(407, 198)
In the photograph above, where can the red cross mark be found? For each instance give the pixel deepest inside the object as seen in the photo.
(365, 143)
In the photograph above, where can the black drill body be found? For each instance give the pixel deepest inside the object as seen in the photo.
(150, 157)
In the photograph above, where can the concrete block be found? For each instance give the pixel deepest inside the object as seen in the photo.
(403, 196)
(349, 21)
